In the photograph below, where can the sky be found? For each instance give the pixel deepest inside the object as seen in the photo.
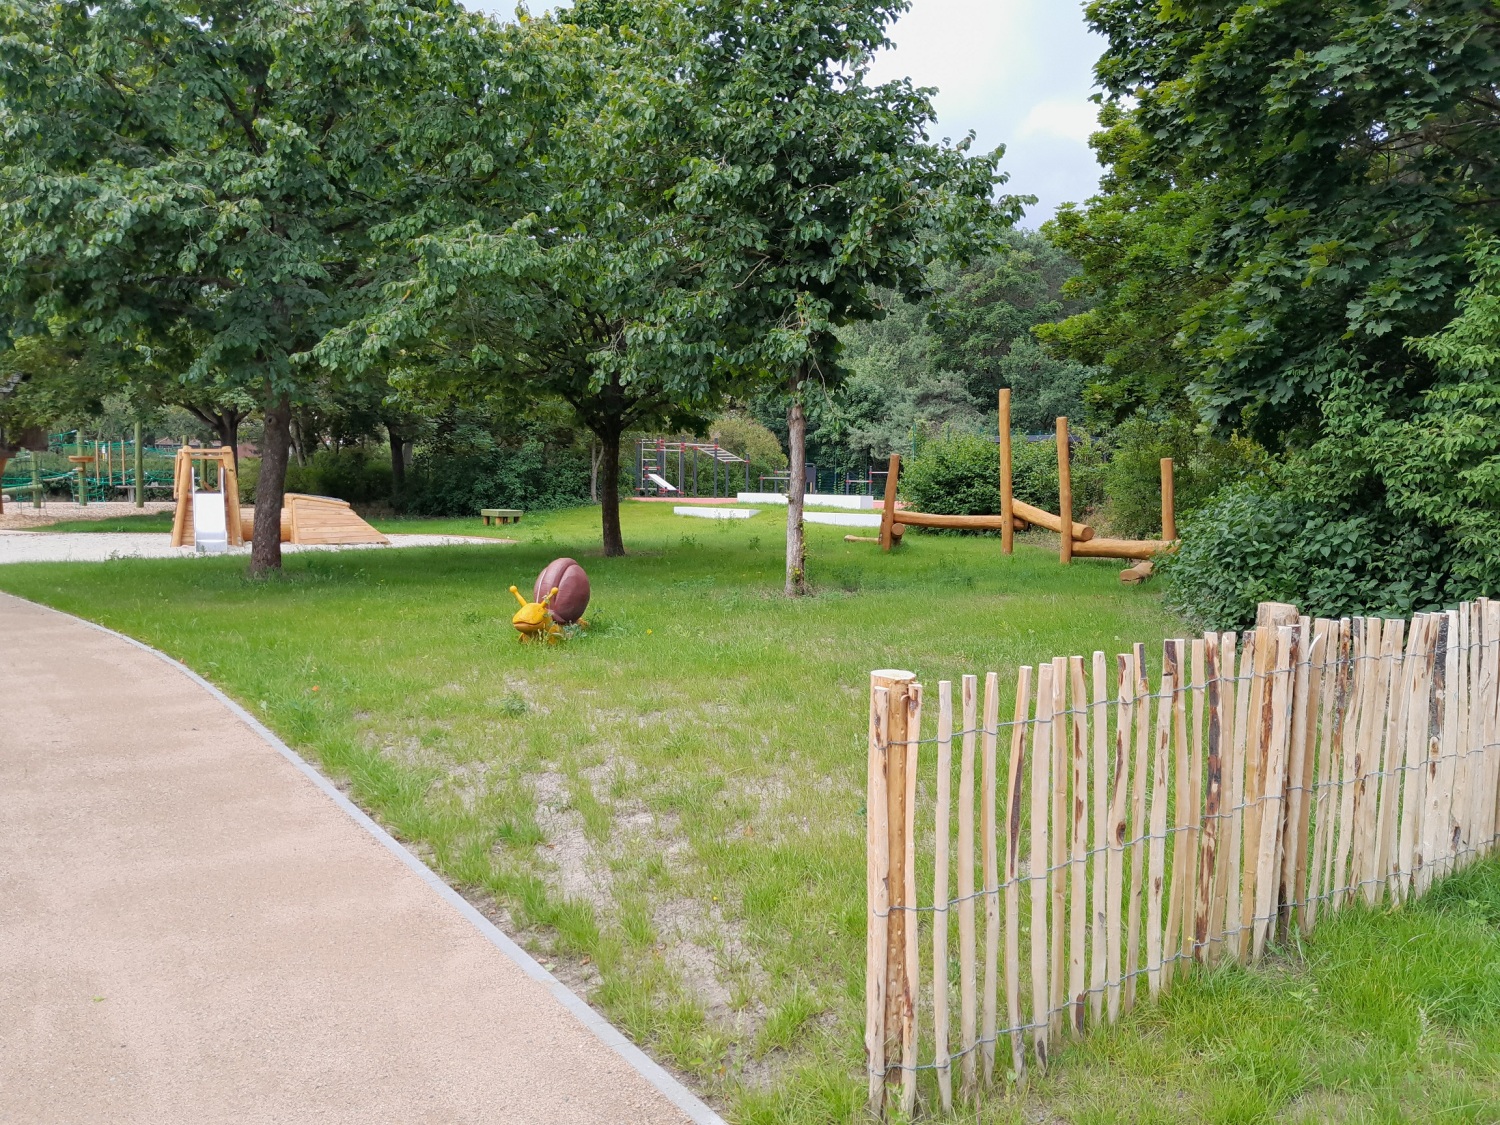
(1015, 72)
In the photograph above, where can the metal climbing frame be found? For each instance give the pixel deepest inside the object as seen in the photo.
(670, 468)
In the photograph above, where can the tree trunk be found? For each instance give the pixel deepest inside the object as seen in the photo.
(609, 494)
(299, 443)
(398, 462)
(270, 488)
(594, 454)
(228, 425)
(796, 550)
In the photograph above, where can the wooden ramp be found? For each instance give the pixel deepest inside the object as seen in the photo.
(324, 520)
(317, 520)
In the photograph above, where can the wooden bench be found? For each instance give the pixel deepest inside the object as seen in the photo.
(500, 515)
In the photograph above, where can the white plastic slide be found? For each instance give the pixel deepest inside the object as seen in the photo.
(662, 483)
(210, 534)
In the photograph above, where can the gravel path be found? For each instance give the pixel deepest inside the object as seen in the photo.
(19, 514)
(197, 928)
(101, 546)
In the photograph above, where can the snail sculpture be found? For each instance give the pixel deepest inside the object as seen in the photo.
(559, 597)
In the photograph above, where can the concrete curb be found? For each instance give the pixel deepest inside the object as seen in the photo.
(668, 1086)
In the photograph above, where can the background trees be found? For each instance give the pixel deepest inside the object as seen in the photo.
(1290, 194)
(508, 247)
(212, 174)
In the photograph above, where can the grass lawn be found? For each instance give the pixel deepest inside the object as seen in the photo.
(669, 810)
(151, 521)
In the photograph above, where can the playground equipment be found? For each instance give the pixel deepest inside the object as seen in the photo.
(1016, 515)
(569, 584)
(210, 517)
(654, 460)
(29, 440)
(82, 470)
(559, 597)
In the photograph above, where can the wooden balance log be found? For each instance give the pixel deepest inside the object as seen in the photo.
(895, 521)
(1017, 515)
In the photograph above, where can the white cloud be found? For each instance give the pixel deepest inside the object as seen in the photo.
(1069, 119)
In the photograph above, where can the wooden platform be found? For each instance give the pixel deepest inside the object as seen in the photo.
(318, 520)
(323, 520)
(500, 515)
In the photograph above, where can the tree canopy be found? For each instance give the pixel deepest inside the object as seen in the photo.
(1306, 173)
(208, 176)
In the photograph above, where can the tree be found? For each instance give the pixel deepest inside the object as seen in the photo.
(214, 170)
(1308, 174)
(1139, 244)
(1325, 159)
(815, 188)
(589, 289)
(981, 311)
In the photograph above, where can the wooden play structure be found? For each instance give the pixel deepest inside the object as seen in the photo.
(1017, 515)
(208, 515)
(207, 490)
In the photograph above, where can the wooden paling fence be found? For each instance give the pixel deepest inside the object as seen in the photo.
(1107, 835)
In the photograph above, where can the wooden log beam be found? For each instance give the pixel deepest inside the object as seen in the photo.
(1122, 548)
(888, 509)
(1082, 532)
(1064, 493)
(971, 523)
(981, 523)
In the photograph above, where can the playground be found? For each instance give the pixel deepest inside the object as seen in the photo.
(668, 812)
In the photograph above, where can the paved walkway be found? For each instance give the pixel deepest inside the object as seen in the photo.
(101, 546)
(193, 929)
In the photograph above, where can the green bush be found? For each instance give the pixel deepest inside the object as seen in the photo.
(355, 474)
(1202, 465)
(1257, 543)
(463, 471)
(953, 475)
(959, 474)
(1033, 470)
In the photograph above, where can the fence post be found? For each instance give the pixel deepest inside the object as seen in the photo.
(890, 982)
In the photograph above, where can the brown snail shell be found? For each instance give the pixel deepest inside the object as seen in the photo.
(572, 590)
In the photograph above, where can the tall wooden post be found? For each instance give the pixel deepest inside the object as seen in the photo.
(1168, 502)
(888, 516)
(83, 475)
(891, 950)
(1007, 508)
(1064, 493)
(140, 470)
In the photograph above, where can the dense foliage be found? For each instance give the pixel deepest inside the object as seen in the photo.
(203, 182)
(461, 472)
(1202, 465)
(1290, 192)
(912, 375)
(959, 474)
